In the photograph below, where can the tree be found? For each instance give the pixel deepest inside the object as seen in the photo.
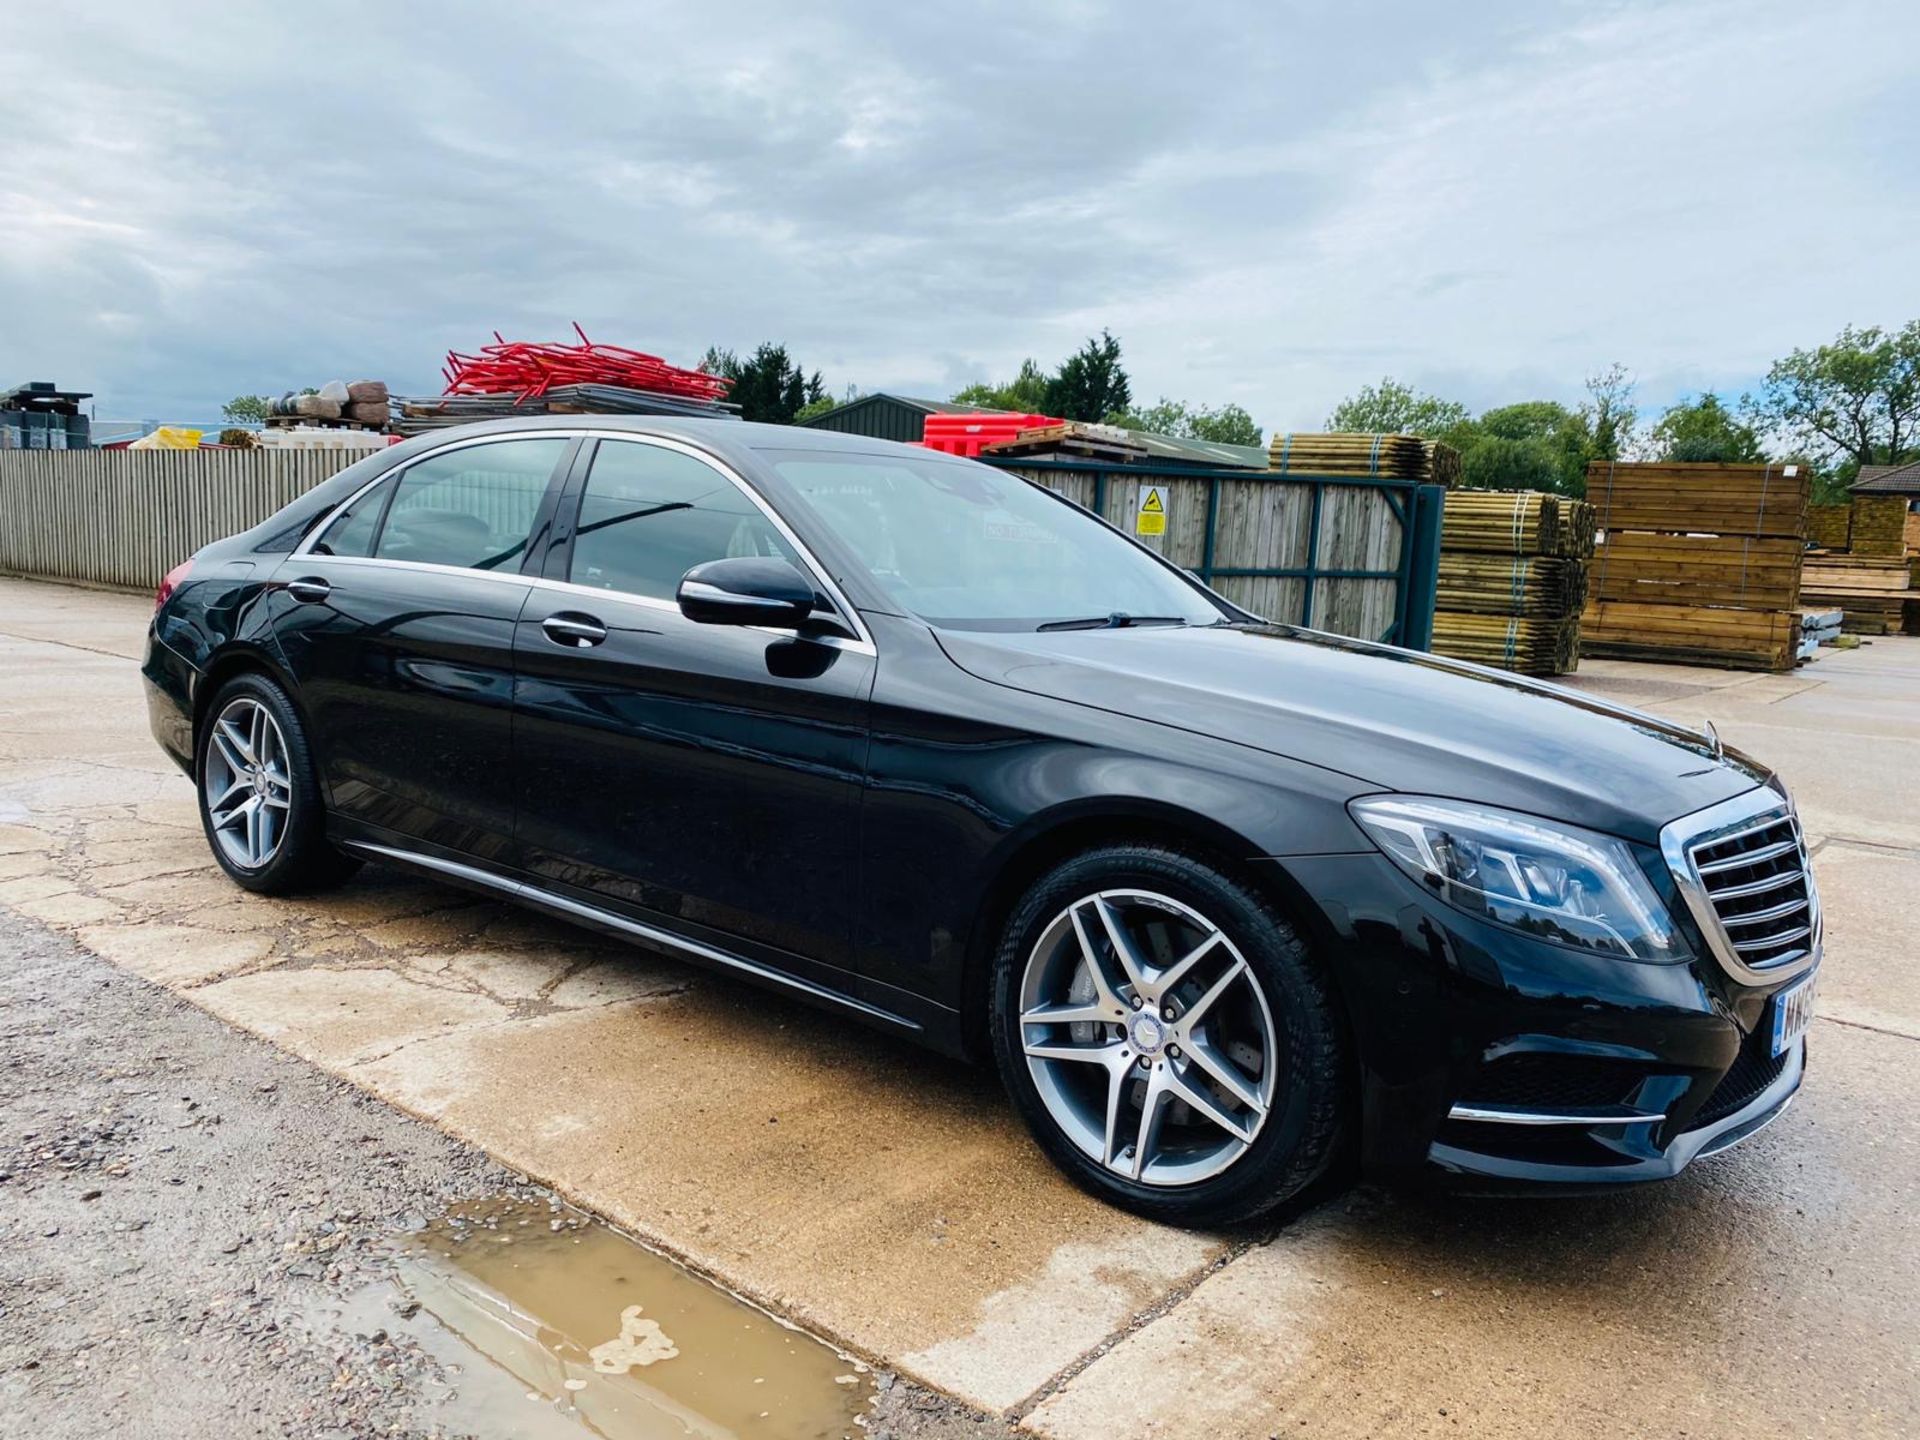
(1609, 413)
(1090, 383)
(1391, 408)
(245, 409)
(1498, 462)
(1025, 394)
(767, 386)
(1553, 444)
(815, 407)
(1228, 425)
(1703, 428)
(1852, 403)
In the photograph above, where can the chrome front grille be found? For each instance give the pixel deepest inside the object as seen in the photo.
(1743, 868)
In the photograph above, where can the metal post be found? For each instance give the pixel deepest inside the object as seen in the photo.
(1313, 558)
(1423, 567)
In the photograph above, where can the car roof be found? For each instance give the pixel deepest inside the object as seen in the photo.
(732, 440)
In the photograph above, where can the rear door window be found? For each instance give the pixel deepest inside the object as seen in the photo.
(353, 530)
(649, 514)
(473, 507)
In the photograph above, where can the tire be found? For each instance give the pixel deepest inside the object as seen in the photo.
(279, 845)
(1249, 1001)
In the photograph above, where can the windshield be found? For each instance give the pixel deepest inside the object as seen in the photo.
(962, 545)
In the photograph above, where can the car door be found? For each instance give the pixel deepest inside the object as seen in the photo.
(704, 774)
(396, 621)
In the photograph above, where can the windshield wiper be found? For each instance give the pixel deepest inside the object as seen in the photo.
(1117, 620)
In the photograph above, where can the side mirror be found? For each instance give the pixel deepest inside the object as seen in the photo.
(746, 590)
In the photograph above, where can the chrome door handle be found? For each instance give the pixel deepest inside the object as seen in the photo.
(309, 590)
(574, 630)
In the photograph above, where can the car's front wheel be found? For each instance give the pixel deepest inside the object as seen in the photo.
(1167, 1037)
(259, 797)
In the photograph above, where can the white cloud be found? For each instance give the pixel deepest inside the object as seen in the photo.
(1273, 206)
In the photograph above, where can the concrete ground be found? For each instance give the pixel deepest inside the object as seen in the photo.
(890, 1200)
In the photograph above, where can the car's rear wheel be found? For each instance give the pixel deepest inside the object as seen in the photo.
(1167, 1037)
(259, 798)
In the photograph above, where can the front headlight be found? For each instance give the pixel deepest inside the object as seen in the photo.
(1554, 882)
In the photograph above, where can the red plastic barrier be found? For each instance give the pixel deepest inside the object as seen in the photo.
(530, 370)
(967, 435)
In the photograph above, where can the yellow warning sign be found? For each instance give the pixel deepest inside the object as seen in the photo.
(1151, 517)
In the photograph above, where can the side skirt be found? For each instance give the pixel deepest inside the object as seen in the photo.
(599, 919)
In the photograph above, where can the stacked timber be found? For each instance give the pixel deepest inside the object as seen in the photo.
(1698, 564)
(1879, 526)
(1513, 578)
(1517, 522)
(1385, 457)
(1871, 589)
(1830, 526)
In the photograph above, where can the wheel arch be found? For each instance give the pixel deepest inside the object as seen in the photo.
(238, 658)
(1073, 829)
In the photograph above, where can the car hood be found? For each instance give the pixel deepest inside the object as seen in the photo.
(1393, 719)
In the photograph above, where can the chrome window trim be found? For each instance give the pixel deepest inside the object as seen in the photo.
(429, 567)
(1678, 840)
(579, 910)
(861, 643)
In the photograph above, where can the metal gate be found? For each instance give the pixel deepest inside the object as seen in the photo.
(1355, 555)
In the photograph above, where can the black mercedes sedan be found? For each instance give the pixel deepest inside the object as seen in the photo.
(908, 737)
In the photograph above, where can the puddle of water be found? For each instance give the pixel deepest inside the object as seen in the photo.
(566, 1327)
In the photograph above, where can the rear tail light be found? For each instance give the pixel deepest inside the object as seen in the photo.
(170, 583)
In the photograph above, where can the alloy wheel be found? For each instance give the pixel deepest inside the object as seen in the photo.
(1148, 1037)
(245, 785)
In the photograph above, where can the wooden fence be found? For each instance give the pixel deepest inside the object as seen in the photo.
(126, 517)
(1354, 556)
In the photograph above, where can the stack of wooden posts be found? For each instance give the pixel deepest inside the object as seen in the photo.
(1699, 564)
(1392, 457)
(1513, 578)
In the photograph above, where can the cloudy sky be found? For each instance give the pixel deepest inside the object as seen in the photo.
(1269, 203)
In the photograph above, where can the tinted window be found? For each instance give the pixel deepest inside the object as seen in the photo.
(353, 531)
(962, 544)
(472, 507)
(648, 515)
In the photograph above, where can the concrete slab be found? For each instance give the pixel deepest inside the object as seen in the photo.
(891, 1200)
(1871, 900)
(1768, 1292)
(858, 1185)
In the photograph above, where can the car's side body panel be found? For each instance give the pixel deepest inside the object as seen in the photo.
(406, 676)
(703, 773)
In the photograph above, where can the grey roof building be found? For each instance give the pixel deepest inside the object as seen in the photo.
(1889, 480)
(889, 417)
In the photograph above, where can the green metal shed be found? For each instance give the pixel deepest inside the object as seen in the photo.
(889, 417)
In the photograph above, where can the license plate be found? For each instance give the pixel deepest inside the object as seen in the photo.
(1792, 1014)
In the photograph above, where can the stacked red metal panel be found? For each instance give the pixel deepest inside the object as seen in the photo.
(968, 434)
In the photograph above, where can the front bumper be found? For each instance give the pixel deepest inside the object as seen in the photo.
(1610, 1152)
(1469, 1036)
